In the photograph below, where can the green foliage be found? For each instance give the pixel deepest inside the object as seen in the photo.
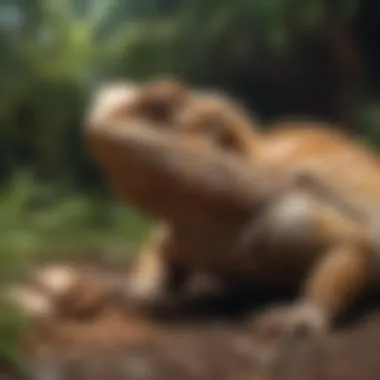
(12, 324)
(36, 223)
(369, 121)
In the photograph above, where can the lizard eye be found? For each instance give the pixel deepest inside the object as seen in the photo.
(159, 111)
(217, 133)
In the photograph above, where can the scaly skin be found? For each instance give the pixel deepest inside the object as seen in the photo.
(206, 198)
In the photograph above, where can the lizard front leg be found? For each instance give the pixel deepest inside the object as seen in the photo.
(156, 278)
(341, 273)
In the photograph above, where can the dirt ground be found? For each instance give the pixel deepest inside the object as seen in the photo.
(207, 337)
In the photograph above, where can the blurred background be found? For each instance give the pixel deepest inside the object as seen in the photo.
(279, 57)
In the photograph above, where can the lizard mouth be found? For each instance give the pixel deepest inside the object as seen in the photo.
(162, 173)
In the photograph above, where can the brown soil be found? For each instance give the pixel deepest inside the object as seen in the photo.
(206, 338)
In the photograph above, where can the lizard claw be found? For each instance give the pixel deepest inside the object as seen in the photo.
(298, 321)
